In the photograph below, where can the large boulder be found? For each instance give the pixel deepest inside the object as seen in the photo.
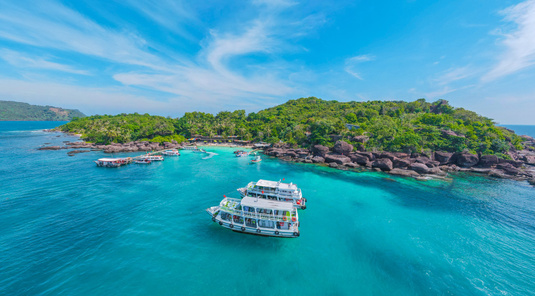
(388, 155)
(369, 155)
(360, 159)
(529, 159)
(384, 164)
(351, 165)
(419, 168)
(508, 168)
(291, 154)
(339, 159)
(320, 150)
(467, 160)
(343, 148)
(401, 163)
(318, 159)
(487, 161)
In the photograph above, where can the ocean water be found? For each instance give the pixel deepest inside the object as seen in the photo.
(68, 227)
(528, 130)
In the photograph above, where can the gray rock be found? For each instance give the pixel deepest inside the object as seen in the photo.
(318, 159)
(487, 161)
(443, 157)
(405, 173)
(351, 165)
(333, 165)
(419, 168)
(320, 150)
(401, 163)
(343, 148)
(384, 164)
(467, 160)
(360, 159)
(339, 159)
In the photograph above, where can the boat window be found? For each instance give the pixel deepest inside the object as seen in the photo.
(250, 222)
(266, 224)
(238, 219)
(225, 216)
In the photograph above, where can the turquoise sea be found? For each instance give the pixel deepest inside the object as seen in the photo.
(68, 227)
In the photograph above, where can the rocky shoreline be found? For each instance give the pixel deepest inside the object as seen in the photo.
(417, 165)
(520, 167)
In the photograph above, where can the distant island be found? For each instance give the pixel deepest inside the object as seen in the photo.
(17, 111)
(402, 138)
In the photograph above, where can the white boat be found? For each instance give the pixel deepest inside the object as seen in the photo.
(154, 157)
(143, 161)
(241, 154)
(111, 162)
(257, 159)
(171, 152)
(273, 190)
(199, 150)
(257, 216)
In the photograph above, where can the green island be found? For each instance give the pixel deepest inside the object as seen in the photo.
(17, 111)
(395, 126)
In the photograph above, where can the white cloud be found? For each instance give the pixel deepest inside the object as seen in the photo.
(350, 64)
(209, 79)
(20, 61)
(519, 43)
(455, 74)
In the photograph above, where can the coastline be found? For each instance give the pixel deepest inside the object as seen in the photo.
(418, 166)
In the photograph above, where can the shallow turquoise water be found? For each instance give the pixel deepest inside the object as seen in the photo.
(70, 228)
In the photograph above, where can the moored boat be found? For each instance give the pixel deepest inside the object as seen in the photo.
(273, 190)
(143, 161)
(111, 162)
(154, 157)
(257, 159)
(171, 152)
(257, 216)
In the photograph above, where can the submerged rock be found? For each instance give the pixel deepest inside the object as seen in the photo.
(405, 173)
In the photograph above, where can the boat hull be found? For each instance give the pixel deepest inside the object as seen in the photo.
(213, 211)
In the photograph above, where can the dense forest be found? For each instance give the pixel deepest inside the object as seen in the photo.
(373, 125)
(10, 110)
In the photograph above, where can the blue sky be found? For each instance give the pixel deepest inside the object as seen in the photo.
(170, 57)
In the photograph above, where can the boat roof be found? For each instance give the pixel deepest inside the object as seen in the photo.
(109, 159)
(266, 183)
(266, 203)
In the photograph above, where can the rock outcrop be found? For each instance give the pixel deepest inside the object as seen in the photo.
(343, 148)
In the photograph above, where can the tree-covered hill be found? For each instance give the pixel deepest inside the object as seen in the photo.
(373, 125)
(10, 110)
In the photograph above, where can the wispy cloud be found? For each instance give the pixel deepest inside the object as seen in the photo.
(21, 61)
(519, 43)
(209, 77)
(351, 63)
(455, 74)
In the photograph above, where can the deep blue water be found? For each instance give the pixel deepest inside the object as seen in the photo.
(70, 228)
(528, 130)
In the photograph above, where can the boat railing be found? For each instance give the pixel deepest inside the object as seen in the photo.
(278, 218)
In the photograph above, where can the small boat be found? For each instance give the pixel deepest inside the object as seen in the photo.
(257, 216)
(111, 162)
(238, 151)
(242, 154)
(199, 150)
(273, 190)
(154, 157)
(171, 152)
(143, 161)
(257, 159)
